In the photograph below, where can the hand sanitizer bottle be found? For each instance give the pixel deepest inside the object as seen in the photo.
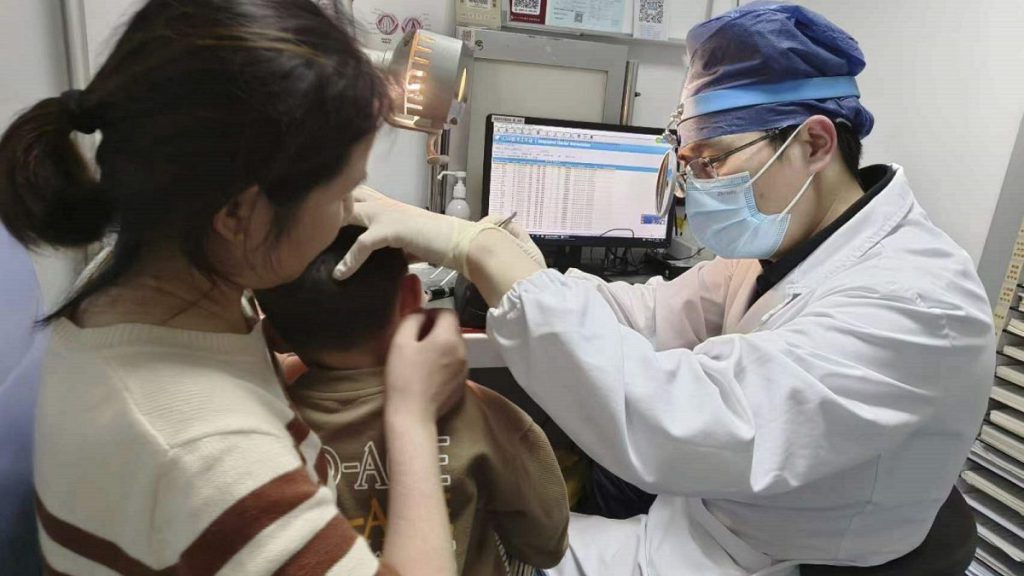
(458, 207)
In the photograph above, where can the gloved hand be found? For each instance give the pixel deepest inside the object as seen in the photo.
(434, 238)
(520, 234)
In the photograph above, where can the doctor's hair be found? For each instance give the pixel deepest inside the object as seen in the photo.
(850, 146)
(198, 102)
(316, 313)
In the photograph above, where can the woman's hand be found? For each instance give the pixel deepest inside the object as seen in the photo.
(425, 374)
(424, 377)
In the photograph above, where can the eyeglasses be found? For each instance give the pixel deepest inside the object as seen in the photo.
(673, 174)
(703, 168)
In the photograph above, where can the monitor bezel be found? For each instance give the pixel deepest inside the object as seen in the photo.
(590, 241)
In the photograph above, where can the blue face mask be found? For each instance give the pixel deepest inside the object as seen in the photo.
(724, 215)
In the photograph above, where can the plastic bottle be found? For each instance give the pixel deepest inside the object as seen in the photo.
(458, 207)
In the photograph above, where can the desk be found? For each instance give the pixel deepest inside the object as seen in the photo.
(480, 351)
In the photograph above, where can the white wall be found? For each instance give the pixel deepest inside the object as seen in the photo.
(397, 163)
(31, 54)
(33, 67)
(945, 81)
(104, 22)
(659, 82)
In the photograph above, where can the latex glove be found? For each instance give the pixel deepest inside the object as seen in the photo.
(520, 234)
(434, 238)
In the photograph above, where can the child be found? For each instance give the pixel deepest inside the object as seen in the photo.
(502, 482)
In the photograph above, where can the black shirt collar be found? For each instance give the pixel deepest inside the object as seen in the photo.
(873, 178)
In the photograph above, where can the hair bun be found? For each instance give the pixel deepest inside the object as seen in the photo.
(48, 192)
(78, 119)
(78, 216)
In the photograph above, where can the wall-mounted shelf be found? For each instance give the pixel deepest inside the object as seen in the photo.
(679, 15)
(993, 481)
(597, 36)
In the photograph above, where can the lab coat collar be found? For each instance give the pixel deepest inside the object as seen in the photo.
(846, 246)
(865, 230)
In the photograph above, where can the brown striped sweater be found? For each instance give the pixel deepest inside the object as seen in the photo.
(162, 451)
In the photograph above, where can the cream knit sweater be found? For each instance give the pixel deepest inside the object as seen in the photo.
(163, 451)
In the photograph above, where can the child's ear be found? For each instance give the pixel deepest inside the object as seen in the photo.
(410, 295)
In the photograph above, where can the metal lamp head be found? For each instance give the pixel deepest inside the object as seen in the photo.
(432, 73)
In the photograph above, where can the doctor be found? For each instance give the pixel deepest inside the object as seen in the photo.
(807, 397)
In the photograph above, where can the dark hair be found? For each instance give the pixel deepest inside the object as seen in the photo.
(198, 102)
(850, 147)
(316, 313)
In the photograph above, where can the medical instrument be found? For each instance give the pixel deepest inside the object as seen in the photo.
(431, 72)
(439, 293)
(508, 220)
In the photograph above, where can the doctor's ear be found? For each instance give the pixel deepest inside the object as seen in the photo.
(821, 140)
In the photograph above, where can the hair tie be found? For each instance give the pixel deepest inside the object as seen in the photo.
(71, 100)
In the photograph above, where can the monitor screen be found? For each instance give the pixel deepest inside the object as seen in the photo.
(575, 183)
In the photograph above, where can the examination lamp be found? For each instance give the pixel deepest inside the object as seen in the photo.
(431, 74)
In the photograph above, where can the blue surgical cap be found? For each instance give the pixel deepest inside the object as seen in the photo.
(768, 65)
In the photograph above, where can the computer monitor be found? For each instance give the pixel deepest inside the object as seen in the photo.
(575, 183)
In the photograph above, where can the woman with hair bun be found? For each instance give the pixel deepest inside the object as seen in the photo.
(233, 135)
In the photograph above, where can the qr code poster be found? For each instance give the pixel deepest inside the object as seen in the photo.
(649, 20)
(651, 11)
(528, 11)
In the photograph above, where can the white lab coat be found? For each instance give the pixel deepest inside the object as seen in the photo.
(826, 422)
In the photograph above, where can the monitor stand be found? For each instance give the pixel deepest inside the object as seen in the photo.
(566, 257)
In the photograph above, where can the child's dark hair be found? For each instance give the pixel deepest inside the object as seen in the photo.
(316, 313)
(198, 102)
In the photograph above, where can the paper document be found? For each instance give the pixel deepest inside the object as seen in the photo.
(1008, 419)
(1009, 394)
(977, 568)
(999, 488)
(994, 509)
(1015, 352)
(528, 11)
(999, 560)
(382, 23)
(998, 462)
(483, 13)
(650, 20)
(1003, 441)
(1000, 537)
(598, 15)
(1013, 374)
(1016, 327)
